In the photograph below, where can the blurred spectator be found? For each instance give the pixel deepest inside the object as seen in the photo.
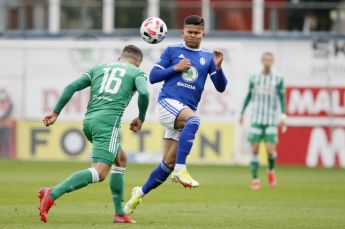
(6, 126)
(310, 22)
(313, 18)
(338, 18)
(5, 105)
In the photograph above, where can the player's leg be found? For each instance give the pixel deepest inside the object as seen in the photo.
(77, 180)
(117, 186)
(164, 169)
(189, 123)
(116, 181)
(254, 167)
(102, 159)
(271, 139)
(157, 176)
(102, 136)
(255, 135)
(97, 172)
(80, 179)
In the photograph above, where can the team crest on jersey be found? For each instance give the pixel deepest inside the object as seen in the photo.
(202, 61)
(191, 75)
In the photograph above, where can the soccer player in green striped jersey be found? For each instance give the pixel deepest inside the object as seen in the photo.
(112, 86)
(266, 92)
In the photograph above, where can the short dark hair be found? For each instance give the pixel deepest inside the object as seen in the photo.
(194, 20)
(268, 53)
(132, 51)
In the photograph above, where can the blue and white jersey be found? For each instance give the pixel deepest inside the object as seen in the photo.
(186, 87)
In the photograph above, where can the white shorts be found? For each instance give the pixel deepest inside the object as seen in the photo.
(168, 110)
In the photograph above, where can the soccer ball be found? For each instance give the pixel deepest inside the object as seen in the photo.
(153, 30)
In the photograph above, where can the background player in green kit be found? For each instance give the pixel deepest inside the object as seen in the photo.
(112, 86)
(266, 92)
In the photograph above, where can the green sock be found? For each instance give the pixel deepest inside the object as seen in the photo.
(254, 167)
(117, 182)
(271, 161)
(75, 181)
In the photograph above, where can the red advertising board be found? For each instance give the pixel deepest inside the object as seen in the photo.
(316, 133)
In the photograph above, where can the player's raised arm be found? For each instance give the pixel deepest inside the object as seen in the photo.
(143, 103)
(77, 85)
(217, 75)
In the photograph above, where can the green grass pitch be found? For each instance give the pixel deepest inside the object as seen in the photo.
(304, 198)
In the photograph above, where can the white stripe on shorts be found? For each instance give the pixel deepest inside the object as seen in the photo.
(168, 107)
(113, 137)
(254, 130)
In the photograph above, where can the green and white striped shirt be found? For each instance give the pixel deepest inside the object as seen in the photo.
(265, 92)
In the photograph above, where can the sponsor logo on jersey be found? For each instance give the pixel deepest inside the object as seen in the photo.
(186, 85)
(265, 90)
(202, 61)
(191, 75)
(103, 98)
(181, 56)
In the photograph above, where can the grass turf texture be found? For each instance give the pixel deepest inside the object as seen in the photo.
(304, 198)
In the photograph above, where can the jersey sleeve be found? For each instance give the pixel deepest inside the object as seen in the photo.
(212, 69)
(90, 73)
(281, 94)
(144, 96)
(248, 96)
(218, 77)
(77, 85)
(163, 69)
(164, 61)
(142, 74)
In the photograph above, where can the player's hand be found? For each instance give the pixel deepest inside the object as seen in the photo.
(241, 121)
(50, 119)
(135, 125)
(282, 123)
(218, 58)
(183, 65)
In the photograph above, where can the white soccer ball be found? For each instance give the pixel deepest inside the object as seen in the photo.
(153, 30)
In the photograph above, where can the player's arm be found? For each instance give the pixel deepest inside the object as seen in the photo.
(77, 85)
(281, 95)
(217, 75)
(246, 101)
(143, 102)
(163, 69)
(159, 74)
(219, 80)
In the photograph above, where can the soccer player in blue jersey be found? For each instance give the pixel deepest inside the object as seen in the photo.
(184, 69)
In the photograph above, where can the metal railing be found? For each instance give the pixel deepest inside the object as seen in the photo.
(86, 16)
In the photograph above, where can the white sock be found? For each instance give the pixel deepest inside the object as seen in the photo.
(140, 192)
(255, 157)
(179, 167)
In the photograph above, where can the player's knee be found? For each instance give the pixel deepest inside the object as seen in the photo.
(271, 149)
(255, 148)
(102, 176)
(121, 163)
(121, 160)
(193, 123)
(99, 173)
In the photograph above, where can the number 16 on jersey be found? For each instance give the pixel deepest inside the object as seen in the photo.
(111, 83)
